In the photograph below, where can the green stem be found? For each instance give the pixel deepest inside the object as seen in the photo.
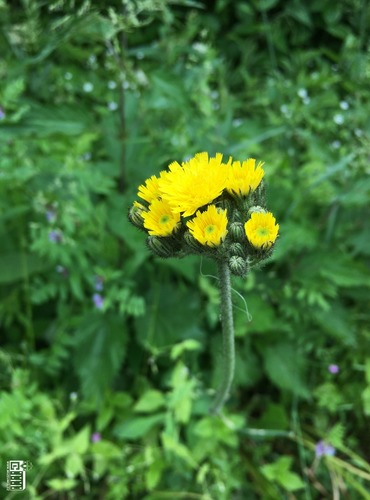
(228, 345)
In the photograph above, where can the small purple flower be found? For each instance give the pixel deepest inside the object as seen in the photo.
(2, 114)
(99, 283)
(323, 449)
(334, 369)
(98, 300)
(50, 215)
(55, 236)
(95, 437)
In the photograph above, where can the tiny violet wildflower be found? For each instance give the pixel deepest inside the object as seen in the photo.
(95, 437)
(98, 300)
(50, 215)
(323, 449)
(88, 87)
(338, 119)
(344, 105)
(55, 236)
(112, 84)
(2, 114)
(334, 369)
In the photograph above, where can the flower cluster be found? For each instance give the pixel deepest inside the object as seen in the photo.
(208, 206)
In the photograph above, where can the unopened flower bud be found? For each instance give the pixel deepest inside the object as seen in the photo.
(258, 209)
(238, 250)
(161, 246)
(135, 215)
(192, 243)
(238, 266)
(236, 231)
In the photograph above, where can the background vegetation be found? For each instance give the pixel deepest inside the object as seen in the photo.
(109, 356)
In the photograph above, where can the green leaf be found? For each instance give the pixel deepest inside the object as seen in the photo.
(100, 348)
(61, 484)
(174, 316)
(74, 465)
(186, 345)
(328, 396)
(80, 442)
(106, 449)
(151, 400)
(178, 449)
(280, 472)
(181, 397)
(137, 427)
(283, 365)
(335, 322)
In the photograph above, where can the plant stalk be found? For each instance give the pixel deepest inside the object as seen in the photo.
(228, 344)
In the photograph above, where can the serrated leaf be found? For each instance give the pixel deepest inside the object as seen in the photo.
(174, 316)
(99, 351)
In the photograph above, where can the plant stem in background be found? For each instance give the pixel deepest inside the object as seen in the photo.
(228, 344)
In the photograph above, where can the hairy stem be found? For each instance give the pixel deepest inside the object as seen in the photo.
(228, 345)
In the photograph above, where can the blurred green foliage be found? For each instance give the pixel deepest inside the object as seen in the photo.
(109, 356)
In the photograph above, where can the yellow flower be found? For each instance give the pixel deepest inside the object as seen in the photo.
(159, 220)
(193, 184)
(149, 191)
(244, 178)
(261, 230)
(209, 227)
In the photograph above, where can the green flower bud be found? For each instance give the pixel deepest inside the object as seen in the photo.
(258, 209)
(236, 231)
(238, 266)
(192, 243)
(135, 215)
(162, 246)
(238, 250)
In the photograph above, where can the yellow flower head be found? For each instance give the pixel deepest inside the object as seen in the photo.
(194, 184)
(261, 230)
(159, 220)
(150, 191)
(209, 227)
(244, 178)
